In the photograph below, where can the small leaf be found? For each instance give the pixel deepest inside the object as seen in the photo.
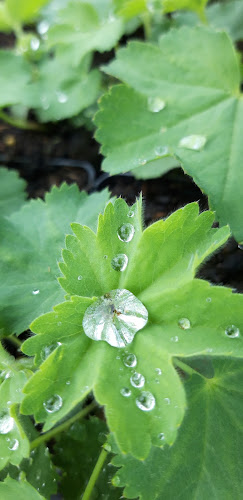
(12, 191)
(21, 490)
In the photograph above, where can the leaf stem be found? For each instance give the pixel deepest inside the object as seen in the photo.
(147, 25)
(62, 427)
(15, 340)
(184, 367)
(18, 123)
(95, 474)
(202, 15)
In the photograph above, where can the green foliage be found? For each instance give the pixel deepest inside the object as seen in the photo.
(194, 5)
(22, 490)
(186, 104)
(13, 13)
(12, 194)
(29, 284)
(207, 458)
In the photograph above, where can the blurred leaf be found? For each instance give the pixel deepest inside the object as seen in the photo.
(12, 191)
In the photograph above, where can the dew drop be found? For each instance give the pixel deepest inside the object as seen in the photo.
(125, 392)
(68, 382)
(80, 277)
(156, 104)
(195, 142)
(42, 27)
(6, 422)
(184, 323)
(105, 256)
(34, 43)
(13, 444)
(130, 360)
(158, 371)
(61, 97)
(208, 299)
(161, 151)
(116, 481)
(167, 401)
(4, 375)
(45, 103)
(59, 323)
(53, 404)
(35, 292)
(130, 213)
(232, 331)
(174, 339)
(126, 232)
(161, 436)
(145, 401)
(115, 318)
(137, 380)
(142, 161)
(119, 262)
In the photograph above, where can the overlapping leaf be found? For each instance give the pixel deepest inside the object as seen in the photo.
(207, 458)
(15, 76)
(12, 191)
(31, 241)
(186, 103)
(186, 317)
(22, 490)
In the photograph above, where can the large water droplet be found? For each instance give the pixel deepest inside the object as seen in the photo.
(13, 444)
(61, 97)
(142, 161)
(53, 404)
(126, 232)
(35, 292)
(137, 380)
(156, 104)
(6, 422)
(125, 392)
(184, 323)
(130, 360)
(145, 401)
(43, 27)
(161, 151)
(195, 142)
(119, 262)
(115, 317)
(232, 331)
(34, 43)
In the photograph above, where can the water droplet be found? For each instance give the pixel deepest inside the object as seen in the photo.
(156, 104)
(161, 436)
(6, 422)
(195, 142)
(53, 404)
(142, 161)
(13, 444)
(4, 375)
(232, 331)
(105, 256)
(119, 262)
(240, 246)
(68, 382)
(115, 317)
(116, 481)
(174, 339)
(47, 350)
(45, 103)
(208, 299)
(184, 323)
(59, 323)
(137, 380)
(126, 232)
(35, 292)
(125, 392)
(167, 401)
(80, 277)
(61, 97)
(130, 360)
(130, 213)
(161, 151)
(34, 43)
(145, 401)
(42, 27)
(158, 371)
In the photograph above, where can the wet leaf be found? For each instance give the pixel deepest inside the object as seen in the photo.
(12, 191)
(22, 490)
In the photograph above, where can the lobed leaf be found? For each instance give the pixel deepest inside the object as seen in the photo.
(187, 103)
(11, 488)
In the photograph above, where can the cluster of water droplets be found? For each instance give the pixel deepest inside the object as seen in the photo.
(145, 401)
(125, 233)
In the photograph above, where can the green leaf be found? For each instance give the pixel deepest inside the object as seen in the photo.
(14, 443)
(31, 241)
(196, 5)
(24, 11)
(12, 191)
(22, 490)
(206, 460)
(71, 451)
(80, 28)
(191, 79)
(15, 76)
(187, 317)
(40, 472)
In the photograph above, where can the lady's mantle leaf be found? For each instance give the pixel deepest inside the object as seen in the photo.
(12, 194)
(207, 458)
(31, 241)
(138, 384)
(20, 490)
(186, 103)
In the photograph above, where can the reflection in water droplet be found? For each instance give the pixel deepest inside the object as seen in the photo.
(208, 299)
(145, 401)
(161, 151)
(167, 401)
(115, 317)
(184, 323)
(13, 444)
(53, 404)
(125, 392)
(142, 161)
(35, 292)
(6, 422)
(119, 262)
(158, 371)
(137, 380)
(195, 142)
(80, 277)
(130, 360)
(130, 213)
(174, 339)
(161, 436)
(34, 43)
(126, 232)
(48, 349)
(42, 27)
(61, 97)
(232, 331)
(156, 104)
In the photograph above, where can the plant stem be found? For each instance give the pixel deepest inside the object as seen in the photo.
(202, 15)
(62, 427)
(184, 367)
(15, 340)
(147, 25)
(95, 474)
(18, 123)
